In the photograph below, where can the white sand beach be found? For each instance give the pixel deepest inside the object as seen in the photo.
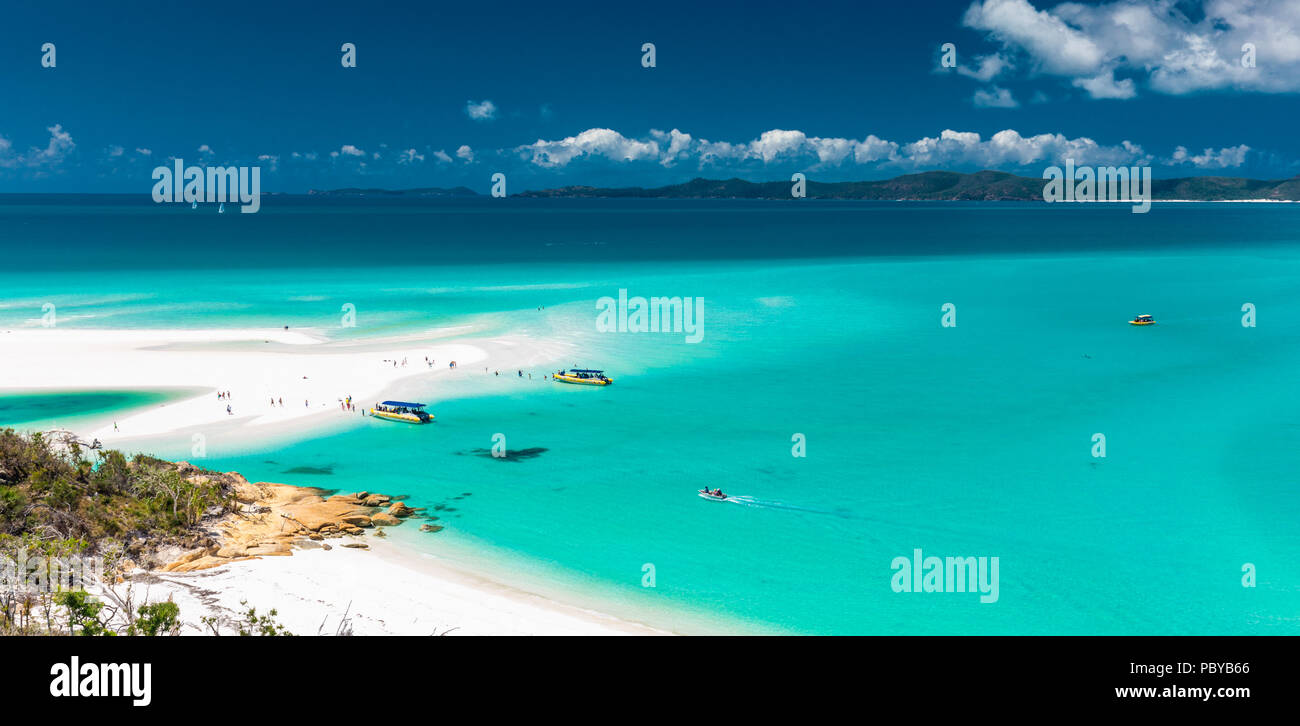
(307, 375)
(387, 589)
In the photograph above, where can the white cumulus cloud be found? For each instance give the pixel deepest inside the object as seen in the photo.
(482, 111)
(951, 148)
(987, 67)
(605, 143)
(1175, 47)
(994, 97)
(1232, 156)
(39, 159)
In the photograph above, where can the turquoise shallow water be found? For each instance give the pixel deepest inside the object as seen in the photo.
(973, 440)
(31, 410)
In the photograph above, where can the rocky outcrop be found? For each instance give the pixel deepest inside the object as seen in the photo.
(273, 518)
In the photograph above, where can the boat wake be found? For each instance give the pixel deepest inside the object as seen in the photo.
(748, 501)
(888, 528)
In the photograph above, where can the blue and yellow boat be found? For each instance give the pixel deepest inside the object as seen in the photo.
(1142, 320)
(403, 411)
(583, 377)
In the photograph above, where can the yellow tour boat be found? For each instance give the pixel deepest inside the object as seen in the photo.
(1142, 320)
(403, 411)
(583, 377)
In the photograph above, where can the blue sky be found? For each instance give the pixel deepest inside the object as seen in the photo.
(852, 90)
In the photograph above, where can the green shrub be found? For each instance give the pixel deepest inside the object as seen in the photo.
(157, 619)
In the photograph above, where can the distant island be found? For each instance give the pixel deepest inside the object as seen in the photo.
(982, 186)
(420, 192)
(929, 186)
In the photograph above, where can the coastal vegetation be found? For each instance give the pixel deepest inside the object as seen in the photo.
(72, 516)
(52, 490)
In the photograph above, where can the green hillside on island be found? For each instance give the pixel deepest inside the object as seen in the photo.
(942, 186)
(927, 186)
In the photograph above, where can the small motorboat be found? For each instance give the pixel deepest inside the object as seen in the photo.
(403, 411)
(717, 496)
(1142, 320)
(583, 377)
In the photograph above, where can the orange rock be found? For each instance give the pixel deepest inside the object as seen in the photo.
(400, 510)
